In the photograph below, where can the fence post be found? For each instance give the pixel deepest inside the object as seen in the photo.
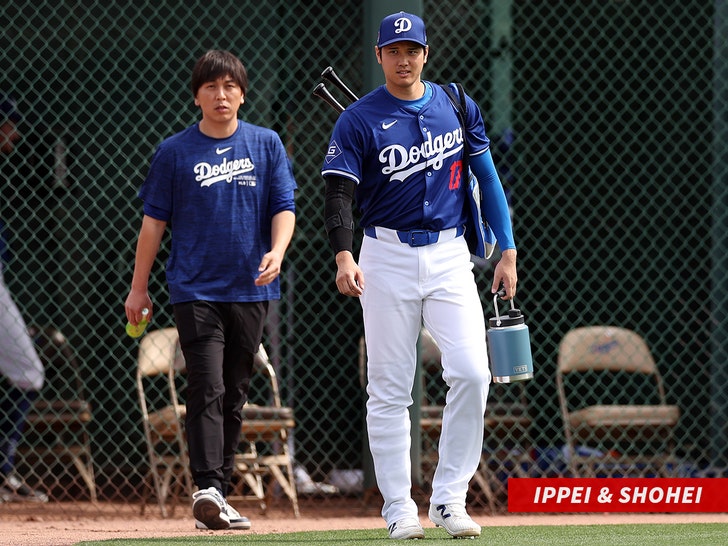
(719, 251)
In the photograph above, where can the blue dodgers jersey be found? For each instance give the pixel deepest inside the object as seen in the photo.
(407, 163)
(219, 196)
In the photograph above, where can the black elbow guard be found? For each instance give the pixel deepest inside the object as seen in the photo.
(340, 230)
(342, 218)
(339, 218)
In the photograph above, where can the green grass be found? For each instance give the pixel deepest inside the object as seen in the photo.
(678, 534)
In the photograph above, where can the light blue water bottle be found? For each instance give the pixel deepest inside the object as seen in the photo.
(509, 345)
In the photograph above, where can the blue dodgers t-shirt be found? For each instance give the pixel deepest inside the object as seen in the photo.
(218, 197)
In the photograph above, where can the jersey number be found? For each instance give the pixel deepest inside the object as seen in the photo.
(456, 173)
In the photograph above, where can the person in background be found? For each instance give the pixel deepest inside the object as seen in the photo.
(226, 189)
(398, 152)
(21, 370)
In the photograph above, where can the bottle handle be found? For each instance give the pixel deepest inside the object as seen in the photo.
(501, 292)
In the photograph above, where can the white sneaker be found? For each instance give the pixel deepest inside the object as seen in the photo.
(454, 519)
(209, 509)
(236, 520)
(406, 528)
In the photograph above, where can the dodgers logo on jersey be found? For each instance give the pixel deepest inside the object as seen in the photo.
(333, 152)
(401, 162)
(226, 170)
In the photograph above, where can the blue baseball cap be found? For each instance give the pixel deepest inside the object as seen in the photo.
(9, 108)
(400, 27)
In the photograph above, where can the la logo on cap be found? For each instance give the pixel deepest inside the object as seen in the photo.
(402, 25)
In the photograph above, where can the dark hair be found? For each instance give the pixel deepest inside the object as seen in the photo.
(217, 64)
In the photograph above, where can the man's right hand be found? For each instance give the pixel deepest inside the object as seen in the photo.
(135, 302)
(349, 277)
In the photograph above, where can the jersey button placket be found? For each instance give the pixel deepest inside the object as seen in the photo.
(428, 172)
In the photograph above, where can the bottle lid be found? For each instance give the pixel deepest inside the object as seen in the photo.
(514, 318)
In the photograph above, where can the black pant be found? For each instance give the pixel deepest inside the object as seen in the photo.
(219, 342)
(15, 404)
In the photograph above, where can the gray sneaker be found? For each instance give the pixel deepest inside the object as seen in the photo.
(209, 509)
(14, 489)
(236, 520)
(405, 529)
(455, 520)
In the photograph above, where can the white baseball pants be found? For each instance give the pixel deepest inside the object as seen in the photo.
(405, 286)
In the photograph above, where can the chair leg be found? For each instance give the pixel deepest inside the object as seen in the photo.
(286, 485)
(86, 470)
(166, 488)
(252, 477)
(255, 482)
(160, 490)
(147, 486)
(481, 479)
(292, 493)
(176, 488)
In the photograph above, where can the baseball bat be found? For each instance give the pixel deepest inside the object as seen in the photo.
(330, 75)
(321, 92)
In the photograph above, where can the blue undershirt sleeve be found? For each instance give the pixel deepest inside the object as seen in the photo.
(495, 205)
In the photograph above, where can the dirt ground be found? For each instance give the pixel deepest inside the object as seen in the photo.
(54, 524)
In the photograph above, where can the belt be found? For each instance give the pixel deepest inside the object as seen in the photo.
(414, 237)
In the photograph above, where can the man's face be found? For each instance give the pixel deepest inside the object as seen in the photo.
(402, 63)
(219, 100)
(9, 135)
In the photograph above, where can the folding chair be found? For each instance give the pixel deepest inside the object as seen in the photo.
(264, 460)
(615, 415)
(57, 427)
(158, 376)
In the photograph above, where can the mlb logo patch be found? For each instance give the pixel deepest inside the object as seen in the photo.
(332, 152)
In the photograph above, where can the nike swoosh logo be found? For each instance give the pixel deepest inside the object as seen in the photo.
(386, 126)
(223, 150)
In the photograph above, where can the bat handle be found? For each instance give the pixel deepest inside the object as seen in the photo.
(321, 92)
(330, 75)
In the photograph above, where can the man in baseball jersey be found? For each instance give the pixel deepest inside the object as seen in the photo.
(398, 153)
(226, 189)
(21, 370)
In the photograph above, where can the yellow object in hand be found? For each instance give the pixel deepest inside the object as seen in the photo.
(138, 330)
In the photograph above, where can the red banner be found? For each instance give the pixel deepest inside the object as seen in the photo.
(617, 495)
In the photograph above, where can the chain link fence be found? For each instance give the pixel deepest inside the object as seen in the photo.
(606, 119)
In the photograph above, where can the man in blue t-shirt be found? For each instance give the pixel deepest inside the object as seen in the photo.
(226, 190)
